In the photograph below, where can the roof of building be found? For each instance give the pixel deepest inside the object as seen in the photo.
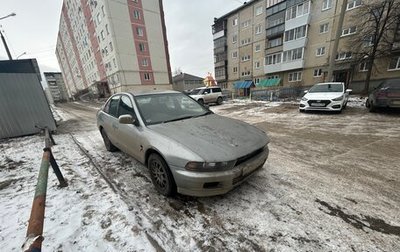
(244, 5)
(185, 76)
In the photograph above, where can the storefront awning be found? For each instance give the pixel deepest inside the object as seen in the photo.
(269, 82)
(243, 84)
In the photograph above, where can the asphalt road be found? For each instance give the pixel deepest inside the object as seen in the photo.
(331, 183)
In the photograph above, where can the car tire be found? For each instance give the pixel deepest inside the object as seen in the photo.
(201, 101)
(160, 175)
(367, 103)
(219, 100)
(109, 146)
(371, 107)
(301, 110)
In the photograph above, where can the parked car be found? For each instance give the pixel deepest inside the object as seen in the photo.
(386, 95)
(187, 148)
(207, 95)
(329, 96)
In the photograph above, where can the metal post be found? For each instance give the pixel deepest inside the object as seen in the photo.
(5, 45)
(56, 169)
(34, 238)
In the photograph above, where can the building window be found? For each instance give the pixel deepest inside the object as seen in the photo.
(295, 76)
(98, 18)
(293, 55)
(245, 41)
(246, 24)
(258, 48)
(324, 28)
(142, 47)
(246, 58)
(343, 56)
(102, 35)
(247, 73)
(363, 67)
(353, 4)
(235, 69)
(326, 4)
(234, 38)
(318, 72)
(368, 41)
(234, 22)
(136, 14)
(139, 31)
(257, 65)
(146, 76)
(111, 46)
(320, 51)
(145, 62)
(259, 29)
(298, 10)
(394, 63)
(108, 32)
(273, 59)
(296, 33)
(259, 10)
(102, 10)
(349, 31)
(275, 42)
(234, 55)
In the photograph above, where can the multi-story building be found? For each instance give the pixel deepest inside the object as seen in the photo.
(57, 88)
(295, 41)
(111, 46)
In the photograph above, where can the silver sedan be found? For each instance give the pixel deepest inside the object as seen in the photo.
(187, 148)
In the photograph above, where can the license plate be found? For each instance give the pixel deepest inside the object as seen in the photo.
(317, 104)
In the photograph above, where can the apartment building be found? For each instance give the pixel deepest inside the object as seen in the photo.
(57, 88)
(298, 39)
(110, 46)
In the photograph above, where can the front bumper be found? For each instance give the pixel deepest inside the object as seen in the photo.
(388, 103)
(202, 184)
(324, 105)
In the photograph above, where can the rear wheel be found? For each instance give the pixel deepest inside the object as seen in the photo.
(109, 146)
(219, 100)
(161, 176)
(371, 106)
(201, 101)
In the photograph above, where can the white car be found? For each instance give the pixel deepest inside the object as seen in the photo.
(207, 95)
(328, 96)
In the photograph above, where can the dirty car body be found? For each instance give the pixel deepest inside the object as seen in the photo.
(187, 148)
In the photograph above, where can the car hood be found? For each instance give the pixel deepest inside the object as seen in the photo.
(214, 138)
(323, 96)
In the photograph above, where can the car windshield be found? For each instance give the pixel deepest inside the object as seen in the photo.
(168, 107)
(322, 88)
(197, 91)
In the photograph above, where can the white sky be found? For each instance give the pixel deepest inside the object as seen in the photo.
(34, 31)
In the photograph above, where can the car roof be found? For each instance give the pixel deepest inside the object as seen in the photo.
(207, 87)
(150, 92)
(325, 83)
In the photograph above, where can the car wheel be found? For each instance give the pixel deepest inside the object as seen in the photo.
(301, 110)
(201, 101)
(219, 100)
(371, 107)
(367, 103)
(109, 146)
(161, 176)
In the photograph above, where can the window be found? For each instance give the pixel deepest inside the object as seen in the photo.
(320, 51)
(139, 31)
(349, 31)
(125, 107)
(274, 42)
(259, 10)
(108, 32)
(234, 55)
(257, 64)
(343, 56)
(246, 58)
(296, 33)
(324, 28)
(98, 18)
(295, 76)
(102, 10)
(102, 35)
(112, 108)
(353, 4)
(368, 41)
(292, 55)
(234, 22)
(326, 4)
(146, 76)
(318, 72)
(258, 48)
(142, 47)
(247, 73)
(111, 46)
(298, 10)
(273, 59)
(235, 69)
(245, 41)
(246, 24)
(136, 14)
(363, 67)
(234, 38)
(145, 62)
(394, 63)
(259, 29)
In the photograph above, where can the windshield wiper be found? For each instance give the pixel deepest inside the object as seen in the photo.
(178, 119)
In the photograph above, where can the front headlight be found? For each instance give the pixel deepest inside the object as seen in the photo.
(304, 99)
(338, 99)
(209, 166)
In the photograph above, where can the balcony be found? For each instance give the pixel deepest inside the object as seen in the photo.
(275, 31)
(219, 34)
(285, 66)
(219, 50)
(298, 21)
(293, 44)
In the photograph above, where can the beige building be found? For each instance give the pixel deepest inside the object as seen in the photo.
(296, 41)
(111, 46)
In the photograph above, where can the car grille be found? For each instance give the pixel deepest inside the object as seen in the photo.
(318, 103)
(248, 156)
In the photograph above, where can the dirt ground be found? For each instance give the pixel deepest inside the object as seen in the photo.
(331, 183)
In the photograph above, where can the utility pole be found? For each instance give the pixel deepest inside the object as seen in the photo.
(332, 57)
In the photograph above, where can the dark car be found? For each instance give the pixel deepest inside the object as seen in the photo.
(386, 95)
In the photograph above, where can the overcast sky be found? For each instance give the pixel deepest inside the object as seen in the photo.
(34, 31)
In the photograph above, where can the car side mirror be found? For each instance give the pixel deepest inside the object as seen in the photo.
(126, 119)
(305, 91)
(349, 90)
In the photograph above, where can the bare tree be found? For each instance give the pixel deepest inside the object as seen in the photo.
(377, 22)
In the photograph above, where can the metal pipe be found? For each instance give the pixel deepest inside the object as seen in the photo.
(5, 45)
(34, 236)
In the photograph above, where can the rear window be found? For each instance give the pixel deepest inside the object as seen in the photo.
(392, 84)
(216, 90)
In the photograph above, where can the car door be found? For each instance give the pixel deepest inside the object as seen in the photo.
(111, 119)
(207, 95)
(129, 135)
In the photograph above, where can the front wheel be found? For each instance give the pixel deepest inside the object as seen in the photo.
(219, 100)
(161, 176)
(201, 101)
(109, 146)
